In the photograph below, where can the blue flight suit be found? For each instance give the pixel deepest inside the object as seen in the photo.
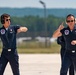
(61, 41)
(9, 52)
(70, 50)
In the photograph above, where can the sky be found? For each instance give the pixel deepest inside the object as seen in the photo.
(37, 4)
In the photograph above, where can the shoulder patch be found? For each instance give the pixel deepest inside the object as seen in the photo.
(2, 31)
(66, 32)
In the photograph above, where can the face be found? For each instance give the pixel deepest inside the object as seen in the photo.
(70, 22)
(7, 22)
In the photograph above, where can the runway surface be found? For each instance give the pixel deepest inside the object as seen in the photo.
(37, 64)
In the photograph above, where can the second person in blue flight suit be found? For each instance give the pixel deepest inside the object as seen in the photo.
(61, 42)
(9, 50)
(69, 34)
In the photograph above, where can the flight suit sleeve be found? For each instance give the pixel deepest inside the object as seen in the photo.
(16, 27)
(60, 40)
(62, 31)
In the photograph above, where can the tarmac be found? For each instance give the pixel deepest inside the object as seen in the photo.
(37, 64)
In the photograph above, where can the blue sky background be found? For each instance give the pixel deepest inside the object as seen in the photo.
(35, 3)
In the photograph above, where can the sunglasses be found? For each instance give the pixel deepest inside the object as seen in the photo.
(68, 21)
(8, 19)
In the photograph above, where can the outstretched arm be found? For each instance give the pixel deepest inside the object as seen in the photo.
(22, 29)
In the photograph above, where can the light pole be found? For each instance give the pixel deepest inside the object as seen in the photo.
(44, 5)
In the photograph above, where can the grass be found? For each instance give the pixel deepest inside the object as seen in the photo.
(54, 48)
(35, 47)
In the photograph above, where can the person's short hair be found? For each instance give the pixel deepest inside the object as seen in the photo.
(69, 16)
(3, 16)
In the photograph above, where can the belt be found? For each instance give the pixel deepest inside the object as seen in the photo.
(9, 50)
(71, 51)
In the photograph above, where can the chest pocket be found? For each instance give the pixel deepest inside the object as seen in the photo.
(74, 32)
(73, 35)
(10, 33)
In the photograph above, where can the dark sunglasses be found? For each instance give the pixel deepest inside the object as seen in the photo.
(68, 21)
(8, 19)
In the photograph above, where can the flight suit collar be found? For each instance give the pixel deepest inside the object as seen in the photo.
(69, 28)
(4, 27)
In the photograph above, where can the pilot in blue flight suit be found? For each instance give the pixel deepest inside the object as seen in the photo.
(9, 51)
(61, 42)
(69, 34)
